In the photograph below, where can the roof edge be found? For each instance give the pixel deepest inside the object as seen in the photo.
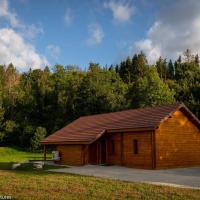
(183, 108)
(63, 142)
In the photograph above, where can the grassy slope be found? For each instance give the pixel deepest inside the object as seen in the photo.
(42, 185)
(31, 184)
(11, 154)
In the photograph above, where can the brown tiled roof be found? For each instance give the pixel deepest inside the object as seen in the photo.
(89, 128)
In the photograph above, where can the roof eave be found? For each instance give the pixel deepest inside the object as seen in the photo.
(64, 142)
(131, 129)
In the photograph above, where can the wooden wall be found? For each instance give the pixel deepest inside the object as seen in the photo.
(124, 154)
(177, 143)
(114, 158)
(71, 154)
(144, 157)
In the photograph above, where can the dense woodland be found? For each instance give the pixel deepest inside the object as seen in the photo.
(36, 103)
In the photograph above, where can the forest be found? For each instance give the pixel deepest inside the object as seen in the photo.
(36, 103)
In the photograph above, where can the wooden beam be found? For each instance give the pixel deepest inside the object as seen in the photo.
(69, 142)
(106, 150)
(45, 153)
(97, 147)
(83, 154)
(153, 150)
(122, 147)
(131, 130)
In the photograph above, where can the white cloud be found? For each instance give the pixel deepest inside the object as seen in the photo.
(122, 11)
(176, 28)
(29, 31)
(13, 48)
(53, 50)
(68, 17)
(96, 34)
(10, 16)
(33, 30)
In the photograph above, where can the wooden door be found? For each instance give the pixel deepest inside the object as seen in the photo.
(93, 154)
(103, 151)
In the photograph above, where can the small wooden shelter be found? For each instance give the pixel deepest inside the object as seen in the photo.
(157, 137)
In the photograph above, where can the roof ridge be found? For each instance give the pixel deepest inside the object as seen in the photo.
(179, 104)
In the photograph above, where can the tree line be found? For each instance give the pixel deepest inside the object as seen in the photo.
(38, 102)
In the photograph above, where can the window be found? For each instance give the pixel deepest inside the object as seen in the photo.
(112, 147)
(135, 146)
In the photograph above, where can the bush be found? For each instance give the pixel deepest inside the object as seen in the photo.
(39, 134)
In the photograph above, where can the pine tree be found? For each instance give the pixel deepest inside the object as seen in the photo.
(170, 70)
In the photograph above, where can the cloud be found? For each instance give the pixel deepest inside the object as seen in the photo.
(68, 17)
(53, 50)
(33, 30)
(96, 34)
(122, 11)
(9, 16)
(13, 48)
(175, 29)
(29, 31)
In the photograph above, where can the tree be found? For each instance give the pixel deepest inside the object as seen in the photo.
(197, 62)
(161, 66)
(188, 56)
(2, 112)
(139, 66)
(53, 98)
(39, 134)
(130, 69)
(100, 91)
(149, 91)
(170, 70)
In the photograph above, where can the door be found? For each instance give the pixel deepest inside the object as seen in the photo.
(93, 153)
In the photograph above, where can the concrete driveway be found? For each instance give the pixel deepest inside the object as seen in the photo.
(181, 177)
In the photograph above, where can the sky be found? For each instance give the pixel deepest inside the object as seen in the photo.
(36, 33)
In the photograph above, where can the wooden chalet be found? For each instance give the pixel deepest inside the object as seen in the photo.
(157, 137)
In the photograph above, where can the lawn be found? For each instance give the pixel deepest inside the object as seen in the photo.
(14, 154)
(10, 155)
(43, 185)
(27, 183)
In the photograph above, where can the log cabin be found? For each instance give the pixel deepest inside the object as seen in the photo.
(166, 136)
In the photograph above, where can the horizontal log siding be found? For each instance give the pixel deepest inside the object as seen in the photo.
(71, 154)
(177, 143)
(141, 160)
(114, 158)
(144, 157)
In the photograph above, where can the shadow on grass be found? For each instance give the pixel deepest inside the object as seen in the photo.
(28, 168)
(6, 165)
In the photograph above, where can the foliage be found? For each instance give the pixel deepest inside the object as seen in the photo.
(150, 91)
(100, 91)
(40, 133)
(53, 98)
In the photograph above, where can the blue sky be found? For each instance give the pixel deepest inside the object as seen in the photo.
(34, 33)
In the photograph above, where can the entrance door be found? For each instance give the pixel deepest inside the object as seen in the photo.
(103, 151)
(93, 153)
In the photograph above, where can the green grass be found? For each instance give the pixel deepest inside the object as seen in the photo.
(14, 154)
(26, 183)
(10, 155)
(45, 185)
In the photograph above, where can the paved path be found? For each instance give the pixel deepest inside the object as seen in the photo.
(181, 177)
